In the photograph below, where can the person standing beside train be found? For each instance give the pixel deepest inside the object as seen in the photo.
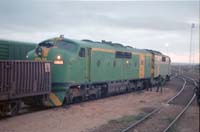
(159, 84)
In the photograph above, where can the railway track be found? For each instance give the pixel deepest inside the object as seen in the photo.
(28, 109)
(159, 119)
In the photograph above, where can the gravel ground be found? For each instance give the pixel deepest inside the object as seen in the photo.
(189, 122)
(186, 95)
(121, 123)
(160, 120)
(86, 116)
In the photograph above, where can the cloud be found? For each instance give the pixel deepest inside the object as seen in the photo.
(138, 24)
(182, 58)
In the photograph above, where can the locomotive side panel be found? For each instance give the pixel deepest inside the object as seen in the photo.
(142, 66)
(148, 64)
(157, 65)
(107, 66)
(101, 69)
(104, 66)
(135, 66)
(165, 66)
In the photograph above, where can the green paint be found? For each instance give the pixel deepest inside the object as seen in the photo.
(14, 50)
(96, 66)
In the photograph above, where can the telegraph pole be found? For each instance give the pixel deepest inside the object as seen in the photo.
(190, 56)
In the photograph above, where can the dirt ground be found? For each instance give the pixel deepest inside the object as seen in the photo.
(85, 116)
(160, 120)
(189, 122)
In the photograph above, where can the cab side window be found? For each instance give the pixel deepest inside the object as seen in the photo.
(163, 59)
(82, 52)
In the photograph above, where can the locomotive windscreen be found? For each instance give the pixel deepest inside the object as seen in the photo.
(66, 45)
(46, 44)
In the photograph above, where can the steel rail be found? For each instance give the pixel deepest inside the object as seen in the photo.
(155, 110)
(185, 108)
(174, 77)
(183, 87)
(180, 114)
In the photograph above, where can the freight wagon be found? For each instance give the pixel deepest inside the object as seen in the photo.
(23, 81)
(14, 50)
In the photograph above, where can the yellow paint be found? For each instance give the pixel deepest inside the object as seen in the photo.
(37, 59)
(103, 50)
(141, 67)
(45, 52)
(40, 59)
(133, 53)
(158, 61)
(152, 66)
(152, 72)
(55, 99)
(149, 55)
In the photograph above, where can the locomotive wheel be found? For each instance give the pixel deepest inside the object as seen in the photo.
(67, 100)
(128, 88)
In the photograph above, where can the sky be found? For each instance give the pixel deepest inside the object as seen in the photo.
(158, 25)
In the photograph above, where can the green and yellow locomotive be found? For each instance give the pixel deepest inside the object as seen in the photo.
(85, 69)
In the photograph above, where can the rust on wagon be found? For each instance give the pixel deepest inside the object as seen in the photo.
(24, 78)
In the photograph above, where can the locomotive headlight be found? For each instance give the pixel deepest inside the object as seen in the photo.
(58, 60)
(58, 57)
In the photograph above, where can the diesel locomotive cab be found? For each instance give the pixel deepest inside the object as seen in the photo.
(61, 52)
(56, 50)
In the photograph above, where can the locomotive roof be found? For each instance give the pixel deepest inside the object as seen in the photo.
(16, 42)
(156, 52)
(106, 45)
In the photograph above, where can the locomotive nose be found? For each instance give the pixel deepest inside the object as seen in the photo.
(42, 52)
(38, 51)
